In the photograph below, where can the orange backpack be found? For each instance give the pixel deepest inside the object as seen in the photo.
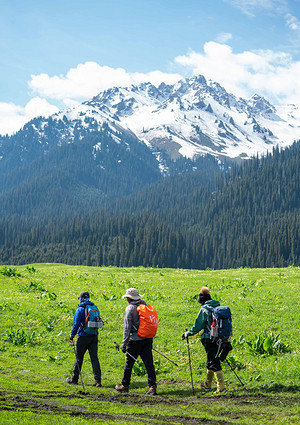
(148, 321)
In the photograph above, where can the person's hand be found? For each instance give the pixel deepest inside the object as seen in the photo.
(184, 336)
(71, 337)
(123, 348)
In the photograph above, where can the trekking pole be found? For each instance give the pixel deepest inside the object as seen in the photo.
(190, 363)
(118, 348)
(165, 356)
(235, 374)
(78, 365)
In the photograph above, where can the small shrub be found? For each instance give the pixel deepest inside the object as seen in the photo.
(235, 363)
(3, 306)
(267, 344)
(32, 287)
(50, 296)
(37, 287)
(159, 296)
(31, 269)
(111, 298)
(250, 308)
(139, 368)
(9, 271)
(19, 337)
(49, 324)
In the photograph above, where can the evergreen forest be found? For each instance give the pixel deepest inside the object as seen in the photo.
(207, 217)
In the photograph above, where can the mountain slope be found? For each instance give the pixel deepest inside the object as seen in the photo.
(124, 139)
(69, 178)
(251, 218)
(190, 118)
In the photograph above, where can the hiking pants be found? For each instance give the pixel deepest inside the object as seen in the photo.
(85, 343)
(141, 348)
(211, 348)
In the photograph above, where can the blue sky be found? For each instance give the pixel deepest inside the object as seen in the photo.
(56, 53)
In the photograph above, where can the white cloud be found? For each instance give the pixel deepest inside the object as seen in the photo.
(223, 37)
(271, 74)
(38, 106)
(90, 78)
(292, 22)
(248, 7)
(80, 83)
(13, 117)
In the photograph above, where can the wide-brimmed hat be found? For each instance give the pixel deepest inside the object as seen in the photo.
(133, 294)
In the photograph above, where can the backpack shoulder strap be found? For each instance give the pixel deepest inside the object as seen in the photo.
(85, 315)
(208, 307)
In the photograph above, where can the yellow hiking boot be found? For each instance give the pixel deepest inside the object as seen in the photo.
(220, 382)
(206, 386)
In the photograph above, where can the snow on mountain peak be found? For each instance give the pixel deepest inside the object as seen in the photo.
(190, 118)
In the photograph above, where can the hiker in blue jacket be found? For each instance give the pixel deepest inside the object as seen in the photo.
(203, 322)
(84, 342)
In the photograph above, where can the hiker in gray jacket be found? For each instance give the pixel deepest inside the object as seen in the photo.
(134, 345)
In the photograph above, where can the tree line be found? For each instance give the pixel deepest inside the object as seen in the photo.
(247, 217)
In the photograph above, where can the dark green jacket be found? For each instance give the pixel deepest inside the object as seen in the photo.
(203, 320)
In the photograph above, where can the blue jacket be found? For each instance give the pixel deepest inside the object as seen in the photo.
(79, 319)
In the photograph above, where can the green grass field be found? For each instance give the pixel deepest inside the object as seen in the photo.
(37, 303)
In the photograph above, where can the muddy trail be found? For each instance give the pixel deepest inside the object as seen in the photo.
(56, 403)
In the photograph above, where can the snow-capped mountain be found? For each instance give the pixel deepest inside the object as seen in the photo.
(190, 118)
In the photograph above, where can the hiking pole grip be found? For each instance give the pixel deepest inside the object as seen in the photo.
(130, 355)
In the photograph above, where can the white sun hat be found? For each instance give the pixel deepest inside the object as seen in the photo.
(133, 294)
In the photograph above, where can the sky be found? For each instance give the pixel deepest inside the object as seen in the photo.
(58, 53)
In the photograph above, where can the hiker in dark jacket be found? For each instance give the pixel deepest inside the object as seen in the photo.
(134, 345)
(84, 342)
(203, 322)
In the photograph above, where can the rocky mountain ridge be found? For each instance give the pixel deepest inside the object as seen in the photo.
(191, 118)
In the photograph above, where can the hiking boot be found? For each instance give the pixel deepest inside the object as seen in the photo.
(152, 390)
(70, 380)
(220, 382)
(122, 389)
(223, 391)
(97, 384)
(205, 387)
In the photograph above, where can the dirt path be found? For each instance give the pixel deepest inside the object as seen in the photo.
(50, 403)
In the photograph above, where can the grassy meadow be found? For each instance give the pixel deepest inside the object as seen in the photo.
(37, 304)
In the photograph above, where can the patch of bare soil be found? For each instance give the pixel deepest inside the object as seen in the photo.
(44, 403)
(20, 404)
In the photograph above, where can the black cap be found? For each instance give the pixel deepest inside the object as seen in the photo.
(84, 294)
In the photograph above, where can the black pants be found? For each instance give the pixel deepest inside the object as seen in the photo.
(141, 348)
(211, 348)
(85, 343)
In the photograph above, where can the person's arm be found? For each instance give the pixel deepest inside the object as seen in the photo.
(127, 325)
(199, 324)
(77, 321)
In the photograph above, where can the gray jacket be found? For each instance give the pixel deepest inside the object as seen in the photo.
(131, 323)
